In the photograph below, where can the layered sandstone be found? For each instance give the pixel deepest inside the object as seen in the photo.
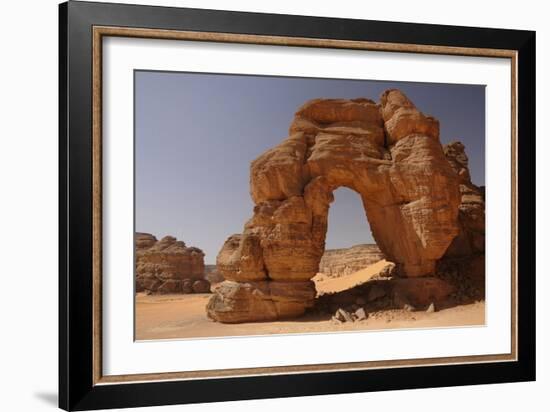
(471, 211)
(265, 300)
(389, 153)
(463, 265)
(342, 262)
(168, 266)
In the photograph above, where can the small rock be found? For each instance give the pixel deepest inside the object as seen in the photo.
(360, 314)
(388, 271)
(348, 316)
(343, 316)
(431, 308)
(409, 308)
(201, 286)
(187, 286)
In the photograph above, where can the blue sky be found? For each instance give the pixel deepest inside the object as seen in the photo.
(196, 135)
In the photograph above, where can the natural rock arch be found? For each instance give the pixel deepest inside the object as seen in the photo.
(389, 153)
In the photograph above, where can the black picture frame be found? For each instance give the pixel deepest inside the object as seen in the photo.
(77, 390)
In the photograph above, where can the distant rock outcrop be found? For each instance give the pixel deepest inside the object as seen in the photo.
(341, 262)
(212, 274)
(168, 266)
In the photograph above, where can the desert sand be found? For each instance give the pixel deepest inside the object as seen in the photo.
(324, 284)
(184, 316)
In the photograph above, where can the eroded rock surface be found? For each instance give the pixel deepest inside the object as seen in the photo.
(389, 153)
(237, 302)
(471, 216)
(463, 265)
(168, 266)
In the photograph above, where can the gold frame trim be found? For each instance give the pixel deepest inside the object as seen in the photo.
(100, 31)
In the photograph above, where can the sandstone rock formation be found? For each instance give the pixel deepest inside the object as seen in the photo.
(389, 153)
(463, 265)
(471, 216)
(260, 300)
(460, 273)
(168, 266)
(342, 262)
(212, 274)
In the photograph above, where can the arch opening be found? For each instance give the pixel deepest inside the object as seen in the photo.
(350, 250)
(347, 225)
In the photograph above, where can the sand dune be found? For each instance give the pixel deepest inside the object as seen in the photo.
(325, 284)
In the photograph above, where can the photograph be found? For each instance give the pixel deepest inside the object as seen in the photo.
(261, 205)
(292, 205)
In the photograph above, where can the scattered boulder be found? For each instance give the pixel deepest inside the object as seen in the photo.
(409, 308)
(360, 314)
(187, 286)
(236, 302)
(201, 286)
(343, 315)
(390, 270)
(431, 308)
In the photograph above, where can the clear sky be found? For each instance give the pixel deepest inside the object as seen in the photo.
(196, 134)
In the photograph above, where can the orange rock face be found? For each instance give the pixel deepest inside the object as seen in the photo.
(389, 153)
(471, 216)
(168, 266)
(237, 302)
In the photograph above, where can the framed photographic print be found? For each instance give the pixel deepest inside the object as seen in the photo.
(257, 205)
